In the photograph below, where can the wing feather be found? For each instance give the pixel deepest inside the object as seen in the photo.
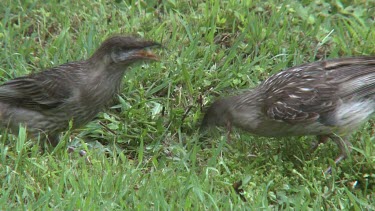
(301, 95)
(44, 90)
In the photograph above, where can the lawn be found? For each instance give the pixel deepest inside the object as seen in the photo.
(145, 152)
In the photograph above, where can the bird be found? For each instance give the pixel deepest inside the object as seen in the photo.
(46, 102)
(329, 99)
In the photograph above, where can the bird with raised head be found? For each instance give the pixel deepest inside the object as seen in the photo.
(45, 102)
(330, 99)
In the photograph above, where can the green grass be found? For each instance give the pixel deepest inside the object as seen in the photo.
(145, 151)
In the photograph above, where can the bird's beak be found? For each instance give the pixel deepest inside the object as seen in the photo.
(147, 54)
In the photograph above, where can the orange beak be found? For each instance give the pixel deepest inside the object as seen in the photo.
(147, 54)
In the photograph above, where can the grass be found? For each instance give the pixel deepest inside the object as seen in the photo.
(145, 151)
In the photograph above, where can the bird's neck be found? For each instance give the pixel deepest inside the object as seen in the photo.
(246, 109)
(248, 98)
(103, 83)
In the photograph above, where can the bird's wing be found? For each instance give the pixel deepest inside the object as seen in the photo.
(299, 95)
(356, 76)
(44, 90)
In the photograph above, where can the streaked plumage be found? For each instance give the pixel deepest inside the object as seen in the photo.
(327, 98)
(45, 102)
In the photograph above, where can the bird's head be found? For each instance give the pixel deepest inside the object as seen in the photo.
(124, 50)
(217, 114)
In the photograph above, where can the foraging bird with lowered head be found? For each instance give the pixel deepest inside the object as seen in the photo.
(329, 99)
(45, 102)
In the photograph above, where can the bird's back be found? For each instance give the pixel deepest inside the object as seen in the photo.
(339, 92)
(355, 76)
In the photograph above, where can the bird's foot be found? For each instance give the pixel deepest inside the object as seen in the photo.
(338, 159)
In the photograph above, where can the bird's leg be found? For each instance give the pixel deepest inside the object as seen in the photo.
(372, 124)
(229, 130)
(322, 139)
(53, 139)
(46, 141)
(345, 149)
